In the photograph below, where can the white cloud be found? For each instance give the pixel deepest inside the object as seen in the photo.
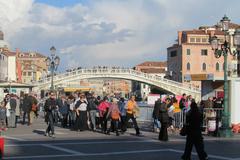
(116, 32)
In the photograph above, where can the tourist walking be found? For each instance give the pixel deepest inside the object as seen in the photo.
(121, 106)
(92, 109)
(12, 110)
(132, 109)
(50, 108)
(103, 110)
(156, 122)
(26, 108)
(164, 120)
(3, 112)
(17, 111)
(114, 114)
(194, 134)
(63, 109)
(81, 113)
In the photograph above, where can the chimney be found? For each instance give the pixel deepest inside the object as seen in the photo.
(179, 37)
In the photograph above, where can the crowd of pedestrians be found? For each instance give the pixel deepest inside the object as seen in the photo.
(80, 112)
(167, 110)
(13, 108)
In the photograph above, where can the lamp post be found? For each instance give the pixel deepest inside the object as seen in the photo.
(223, 50)
(52, 63)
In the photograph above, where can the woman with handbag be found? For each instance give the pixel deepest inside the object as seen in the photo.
(194, 134)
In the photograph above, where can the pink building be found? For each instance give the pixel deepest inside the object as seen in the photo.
(192, 59)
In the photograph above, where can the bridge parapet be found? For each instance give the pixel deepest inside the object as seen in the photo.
(122, 73)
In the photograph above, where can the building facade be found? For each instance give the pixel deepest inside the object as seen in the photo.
(31, 66)
(3, 66)
(192, 59)
(152, 68)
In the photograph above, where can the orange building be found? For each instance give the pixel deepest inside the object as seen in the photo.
(192, 58)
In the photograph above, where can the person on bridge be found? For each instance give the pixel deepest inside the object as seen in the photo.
(50, 108)
(132, 109)
(194, 134)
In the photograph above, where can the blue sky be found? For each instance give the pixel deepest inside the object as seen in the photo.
(62, 3)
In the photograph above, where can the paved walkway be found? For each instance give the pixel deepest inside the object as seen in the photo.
(29, 143)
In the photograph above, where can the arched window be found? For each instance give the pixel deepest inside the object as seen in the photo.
(204, 67)
(188, 66)
(217, 66)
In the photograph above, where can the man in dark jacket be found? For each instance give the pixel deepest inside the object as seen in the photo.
(63, 109)
(194, 134)
(26, 108)
(157, 106)
(50, 108)
(164, 120)
(92, 108)
(12, 110)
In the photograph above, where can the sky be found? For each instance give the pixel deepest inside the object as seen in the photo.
(90, 33)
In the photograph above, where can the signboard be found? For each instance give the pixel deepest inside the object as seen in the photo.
(198, 77)
(152, 98)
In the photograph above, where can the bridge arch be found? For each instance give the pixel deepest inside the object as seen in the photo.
(127, 74)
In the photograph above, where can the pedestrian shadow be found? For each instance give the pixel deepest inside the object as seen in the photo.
(40, 132)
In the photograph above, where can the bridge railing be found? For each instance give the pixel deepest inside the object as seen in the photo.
(124, 71)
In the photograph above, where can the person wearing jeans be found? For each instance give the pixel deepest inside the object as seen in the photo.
(92, 108)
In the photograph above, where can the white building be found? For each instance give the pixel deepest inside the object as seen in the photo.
(3, 66)
(11, 66)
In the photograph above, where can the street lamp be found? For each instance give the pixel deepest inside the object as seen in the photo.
(223, 50)
(52, 63)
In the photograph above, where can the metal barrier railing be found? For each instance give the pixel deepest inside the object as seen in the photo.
(211, 118)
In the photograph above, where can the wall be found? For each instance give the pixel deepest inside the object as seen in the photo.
(12, 68)
(3, 67)
(234, 100)
(174, 64)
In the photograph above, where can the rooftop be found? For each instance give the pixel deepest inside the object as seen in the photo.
(153, 64)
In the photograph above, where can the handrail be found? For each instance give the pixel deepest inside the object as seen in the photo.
(117, 71)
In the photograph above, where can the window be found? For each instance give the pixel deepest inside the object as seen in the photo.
(204, 67)
(188, 66)
(173, 53)
(204, 40)
(188, 52)
(24, 74)
(217, 66)
(204, 52)
(198, 40)
(29, 73)
(192, 40)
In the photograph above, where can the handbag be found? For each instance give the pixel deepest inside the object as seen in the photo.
(183, 131)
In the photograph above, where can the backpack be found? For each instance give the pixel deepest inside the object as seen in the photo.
(115, 115)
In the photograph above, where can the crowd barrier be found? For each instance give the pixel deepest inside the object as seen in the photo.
(211, 118)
